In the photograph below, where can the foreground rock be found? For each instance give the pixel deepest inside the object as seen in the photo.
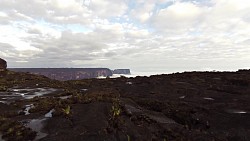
(185, 106)
(3, 65)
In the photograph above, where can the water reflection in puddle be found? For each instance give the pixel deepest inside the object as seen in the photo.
(232, 111)
(49, 114)
(65, 97)
(129, 83)
(29, 93)
(4, 102)
(1, 139)
(181, 97)
(18, 94)
(241, 112)
(84, 90)
(28, 107)
(37, 125)
(208, 98)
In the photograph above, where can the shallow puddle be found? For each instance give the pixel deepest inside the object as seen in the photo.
(18, 94)
(233, 111)
(37, 125)
(181, 97)
(129, 83)
(84, 90)
(1, 137)
(208, 98)
(39, 92)
(49, 114)
(4, 102)
(28, 107)
(65, 97)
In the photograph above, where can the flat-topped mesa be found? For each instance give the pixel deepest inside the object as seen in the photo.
(3, 65)
(121, 71)
(67, 73)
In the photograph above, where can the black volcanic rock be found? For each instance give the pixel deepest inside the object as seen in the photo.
(3, 64)
(190, 106)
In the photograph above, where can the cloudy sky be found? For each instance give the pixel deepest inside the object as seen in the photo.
(153, 36)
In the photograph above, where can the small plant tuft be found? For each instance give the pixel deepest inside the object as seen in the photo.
(66, 111)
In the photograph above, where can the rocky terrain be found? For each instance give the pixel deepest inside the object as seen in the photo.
(190, 106)
(3, 65)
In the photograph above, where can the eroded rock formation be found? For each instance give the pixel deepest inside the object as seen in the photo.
(3, 64)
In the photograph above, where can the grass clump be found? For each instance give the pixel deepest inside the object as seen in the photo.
(67, 110)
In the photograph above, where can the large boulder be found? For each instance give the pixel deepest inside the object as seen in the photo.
(3, 65)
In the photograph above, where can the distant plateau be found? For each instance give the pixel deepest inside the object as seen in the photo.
(64, 74)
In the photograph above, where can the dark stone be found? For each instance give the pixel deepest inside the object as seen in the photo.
(3, 65)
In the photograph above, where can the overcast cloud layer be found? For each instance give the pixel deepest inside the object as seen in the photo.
(154, 36)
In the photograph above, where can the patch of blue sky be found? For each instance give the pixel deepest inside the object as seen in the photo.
(134, 22)
(47, 24)
(118, 20)
(195, 33)
(132, 4)
(78, 28)
(163, 5)
(199, 2)
(73, 27)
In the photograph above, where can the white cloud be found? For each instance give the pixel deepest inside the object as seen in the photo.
(144, 10)
(179, 16)
(108, 8)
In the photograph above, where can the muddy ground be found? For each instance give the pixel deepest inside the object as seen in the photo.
(195, 106)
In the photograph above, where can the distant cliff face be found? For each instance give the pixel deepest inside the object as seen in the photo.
(3, 64)
(67, 73)
(121, 71)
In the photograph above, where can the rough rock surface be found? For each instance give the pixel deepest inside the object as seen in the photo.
(191, 106)
(3, 64)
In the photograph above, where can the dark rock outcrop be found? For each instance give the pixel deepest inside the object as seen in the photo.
(3, 64)
(121, 71)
